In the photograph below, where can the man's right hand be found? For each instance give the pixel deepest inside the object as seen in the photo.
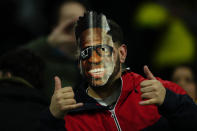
(62, 100)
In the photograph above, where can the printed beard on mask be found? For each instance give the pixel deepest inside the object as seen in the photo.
(101, 75)
(92, 81)
(98, 74)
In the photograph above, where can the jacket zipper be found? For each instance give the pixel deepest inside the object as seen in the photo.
(113, 114)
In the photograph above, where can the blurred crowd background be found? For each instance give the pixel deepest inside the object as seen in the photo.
(158, 33)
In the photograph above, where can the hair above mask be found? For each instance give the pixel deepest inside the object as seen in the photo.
(92, 19)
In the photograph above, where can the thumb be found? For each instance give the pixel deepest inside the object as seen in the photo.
(58, 84)
(148, 73)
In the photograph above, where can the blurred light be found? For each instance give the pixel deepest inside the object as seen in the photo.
(177, 46)
(151, 15)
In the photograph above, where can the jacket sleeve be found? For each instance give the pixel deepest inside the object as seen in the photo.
(50, 123)
(179, 108)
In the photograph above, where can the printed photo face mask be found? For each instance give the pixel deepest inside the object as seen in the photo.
(97, 57)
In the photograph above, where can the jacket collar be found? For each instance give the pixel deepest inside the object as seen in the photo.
(128, 85)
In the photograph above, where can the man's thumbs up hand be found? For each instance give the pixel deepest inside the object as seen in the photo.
(152, 89)
(148, 73)
(58, 84)
(62, 100)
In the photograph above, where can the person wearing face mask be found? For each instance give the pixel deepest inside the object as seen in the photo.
(110, 98)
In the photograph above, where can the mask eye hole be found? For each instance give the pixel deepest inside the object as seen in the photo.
(104, 50)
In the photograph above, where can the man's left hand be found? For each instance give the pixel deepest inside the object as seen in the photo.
(152, 89)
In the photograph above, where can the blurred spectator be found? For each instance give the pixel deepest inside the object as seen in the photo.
(21, 75)
(184, 75)
(58, 48)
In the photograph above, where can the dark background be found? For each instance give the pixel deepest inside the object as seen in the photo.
(26, 20)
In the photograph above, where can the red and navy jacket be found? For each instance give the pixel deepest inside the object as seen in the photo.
(178, 111)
